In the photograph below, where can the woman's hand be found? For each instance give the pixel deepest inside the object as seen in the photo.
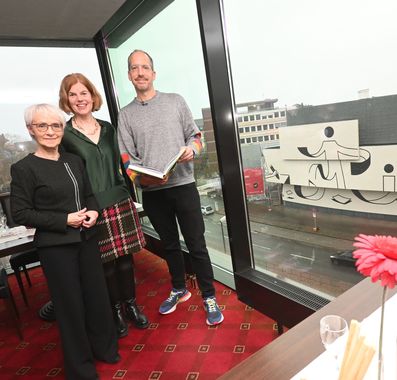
(76, 219)
(90, 219)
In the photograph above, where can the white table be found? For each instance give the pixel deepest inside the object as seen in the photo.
(323, 366)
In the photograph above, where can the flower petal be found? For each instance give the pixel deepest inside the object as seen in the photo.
(377, 257)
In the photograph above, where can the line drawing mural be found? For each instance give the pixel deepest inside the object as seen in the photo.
(361, 166)
(332, 152)
(384, 199)
(315, 195)
(389, 180)
(336, 140)
(331, 170)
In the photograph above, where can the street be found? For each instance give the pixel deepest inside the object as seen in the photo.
(297, 256)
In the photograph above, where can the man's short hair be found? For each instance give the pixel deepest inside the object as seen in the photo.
(144, 52)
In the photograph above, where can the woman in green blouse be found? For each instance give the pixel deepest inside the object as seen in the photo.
(120, 233)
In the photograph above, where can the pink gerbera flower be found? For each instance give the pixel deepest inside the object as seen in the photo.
(377, 257)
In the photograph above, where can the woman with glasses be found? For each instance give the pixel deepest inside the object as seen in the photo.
(120, 233)
(51, 192)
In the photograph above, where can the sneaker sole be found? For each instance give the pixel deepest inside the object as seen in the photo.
(215, 323)
(182, 299)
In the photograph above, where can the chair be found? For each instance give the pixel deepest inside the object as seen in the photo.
(6, 294)
(19, 260)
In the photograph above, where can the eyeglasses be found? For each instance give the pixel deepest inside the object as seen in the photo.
(43, 127)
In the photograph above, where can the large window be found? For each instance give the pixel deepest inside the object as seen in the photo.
(30, 75)
(329, 171)
(172, 38)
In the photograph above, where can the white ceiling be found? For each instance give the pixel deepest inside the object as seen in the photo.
(69, 20)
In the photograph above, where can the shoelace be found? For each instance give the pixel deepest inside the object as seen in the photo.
(172, 296)
(211, 305)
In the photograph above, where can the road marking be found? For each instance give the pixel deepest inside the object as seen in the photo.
(302, 257)
(260, 246)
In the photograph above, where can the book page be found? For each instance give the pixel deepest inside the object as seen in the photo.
(154, 172)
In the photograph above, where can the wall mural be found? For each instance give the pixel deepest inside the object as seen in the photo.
(322, 141)
(322, 165)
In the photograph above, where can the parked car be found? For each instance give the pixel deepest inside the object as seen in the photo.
(207, 210)
(343, 257)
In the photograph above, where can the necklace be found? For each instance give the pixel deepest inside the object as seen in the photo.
(86, 132)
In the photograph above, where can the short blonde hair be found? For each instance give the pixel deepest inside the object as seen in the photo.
(69, 81)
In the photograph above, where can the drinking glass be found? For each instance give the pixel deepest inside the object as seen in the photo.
(3, 223)
(333, 331)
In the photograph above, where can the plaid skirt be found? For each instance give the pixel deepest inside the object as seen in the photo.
(119, 231)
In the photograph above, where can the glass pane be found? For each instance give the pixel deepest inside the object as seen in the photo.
(321, 168)
(172, 38)
(30, 75)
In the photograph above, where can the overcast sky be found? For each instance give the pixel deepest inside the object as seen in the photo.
(33, 75)
(310, 52)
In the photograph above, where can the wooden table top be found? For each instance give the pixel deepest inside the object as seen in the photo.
(295, 349)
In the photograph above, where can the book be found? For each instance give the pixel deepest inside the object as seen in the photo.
(161, 174)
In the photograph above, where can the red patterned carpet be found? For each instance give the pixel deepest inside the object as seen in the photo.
(178, 346)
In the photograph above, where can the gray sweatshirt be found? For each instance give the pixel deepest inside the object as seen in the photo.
(153, 132)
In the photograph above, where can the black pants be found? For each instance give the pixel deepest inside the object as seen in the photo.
(164, 207)
(119, 275)
(77, 286)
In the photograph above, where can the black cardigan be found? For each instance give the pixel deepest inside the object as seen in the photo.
(44, 192)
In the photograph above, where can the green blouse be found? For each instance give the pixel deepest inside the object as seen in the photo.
(102, 161)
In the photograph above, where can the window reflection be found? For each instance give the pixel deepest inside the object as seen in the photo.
(38, 82)
(321, 166)
(173, 40)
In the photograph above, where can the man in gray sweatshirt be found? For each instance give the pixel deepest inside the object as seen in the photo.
(152, 129)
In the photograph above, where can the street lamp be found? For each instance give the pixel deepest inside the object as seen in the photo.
(314, 213)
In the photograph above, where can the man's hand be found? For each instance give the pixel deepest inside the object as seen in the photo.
(187, 155)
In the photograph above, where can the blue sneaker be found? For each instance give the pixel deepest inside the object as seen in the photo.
(176, 296)
(214, 314)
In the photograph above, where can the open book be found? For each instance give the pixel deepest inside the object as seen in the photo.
(161, 174)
